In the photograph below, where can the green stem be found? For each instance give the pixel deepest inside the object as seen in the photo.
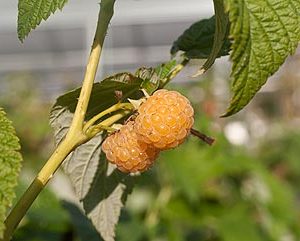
(105, 15)
(105, 125)
(113, 119)
(75, 135)
(111, 109)
(20, 209)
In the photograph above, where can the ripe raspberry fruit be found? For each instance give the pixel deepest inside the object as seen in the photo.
(165, 119)
(130, 154)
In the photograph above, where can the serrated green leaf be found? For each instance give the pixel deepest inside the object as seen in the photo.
(84, 166)
(10, 165)
(197, 41)
(264, 33)
(32, 12)
(81, 165)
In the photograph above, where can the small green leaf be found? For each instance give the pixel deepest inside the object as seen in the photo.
(101, 192)
(32, 12)
(165, 69)
(264, 33)
(154, 78)
(10, 165)
(150, 77)
(197, 42)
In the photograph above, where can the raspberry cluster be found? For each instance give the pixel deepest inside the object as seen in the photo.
(165, 119)
(127, 151)
(163, 122)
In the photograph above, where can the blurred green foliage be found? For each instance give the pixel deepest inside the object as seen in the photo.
(46, 220)
(216, 193)
(196, 192)
(29, 113)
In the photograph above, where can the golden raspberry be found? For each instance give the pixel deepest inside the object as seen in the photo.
(124, 149)
(165, 119)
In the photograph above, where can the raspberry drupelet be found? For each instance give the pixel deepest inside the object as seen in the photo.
(127, 151)
(165, 119)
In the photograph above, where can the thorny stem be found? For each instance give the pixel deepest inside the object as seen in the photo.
(75, 135)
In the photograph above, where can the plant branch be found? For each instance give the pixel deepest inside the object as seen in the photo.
(75, 135)
(20, 209)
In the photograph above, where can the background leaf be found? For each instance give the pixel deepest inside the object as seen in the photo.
(197, 41)
(106, 197)
(10, 165)
(101, 190)
(264, 33)
(82, 226)
(220, 36)
(235, 223)
(103, 96)
(32, 12)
